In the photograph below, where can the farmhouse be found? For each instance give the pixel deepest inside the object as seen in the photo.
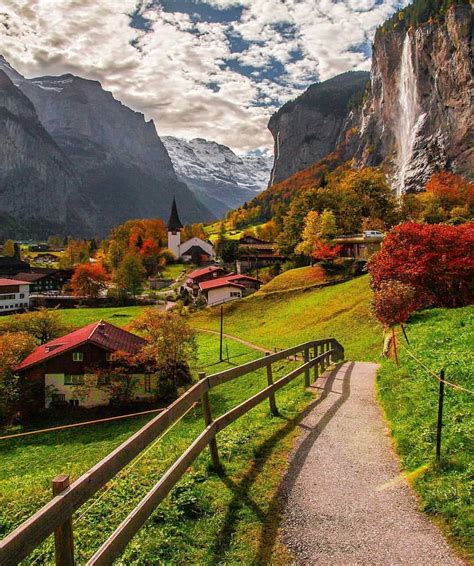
(220, 291)
(44, 280)
(198, 276)
(49, 373)
(194, 250)
(255, 253)
(14, 295)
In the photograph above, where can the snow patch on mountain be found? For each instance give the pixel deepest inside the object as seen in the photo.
(219, 178)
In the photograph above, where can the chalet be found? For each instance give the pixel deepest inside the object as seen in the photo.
(193, 279)
(250, 283)
(51, 372)
(10, 266)
(219, 291)
(194, 250)
(14, 295)
(45, 280)
(255, 253)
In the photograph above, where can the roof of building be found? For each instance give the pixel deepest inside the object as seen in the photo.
(196, 249)
(215, 283)
(237, 277)
(7, 261)
(30, 277)
(174, 223)
(8, 282)
(260, 256)
(204, 270)
(102, 334)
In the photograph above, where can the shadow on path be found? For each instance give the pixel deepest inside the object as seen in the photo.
(241, 497)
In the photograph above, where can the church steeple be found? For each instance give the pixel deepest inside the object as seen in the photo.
(174, 223)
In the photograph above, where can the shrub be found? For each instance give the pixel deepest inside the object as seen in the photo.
(436, 260)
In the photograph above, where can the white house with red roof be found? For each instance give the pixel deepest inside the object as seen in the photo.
(220, 291)
(14, 295)
(53, 370)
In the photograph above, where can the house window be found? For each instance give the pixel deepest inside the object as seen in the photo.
(6, 297)
(73, 379)
(234, 294)
(22, 295)
(77, 357)
(109, 356)
(147, 383)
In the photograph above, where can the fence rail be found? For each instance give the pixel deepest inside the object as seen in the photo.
(56, 516)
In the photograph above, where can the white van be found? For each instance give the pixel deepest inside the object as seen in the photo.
(372, 234)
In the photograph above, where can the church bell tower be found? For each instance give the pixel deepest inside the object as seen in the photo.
(174, 231)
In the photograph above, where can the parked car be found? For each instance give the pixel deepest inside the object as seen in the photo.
(372, 234)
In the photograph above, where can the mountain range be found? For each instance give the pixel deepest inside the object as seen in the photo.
(412, 115)
(77, 161)
(219, 178)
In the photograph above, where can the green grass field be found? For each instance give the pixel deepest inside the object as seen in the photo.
(209, 518)
(440, 339)
(288, 318)
(295, 279)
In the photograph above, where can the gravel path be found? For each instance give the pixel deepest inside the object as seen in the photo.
(345, 502)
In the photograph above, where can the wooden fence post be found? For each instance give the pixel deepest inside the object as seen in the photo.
(306, 371)
(63, 537)
(316, 365)
(206, 410)
(271, 398)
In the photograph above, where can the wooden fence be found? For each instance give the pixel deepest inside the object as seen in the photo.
(56, 516)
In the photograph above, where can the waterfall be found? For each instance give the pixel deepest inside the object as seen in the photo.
(275, 161)
(410, 119)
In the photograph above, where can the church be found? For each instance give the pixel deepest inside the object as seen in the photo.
(193, 250)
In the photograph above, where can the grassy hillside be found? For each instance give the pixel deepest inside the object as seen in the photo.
(440, 338)
(294, 279)
(284, 319)
(208, 519)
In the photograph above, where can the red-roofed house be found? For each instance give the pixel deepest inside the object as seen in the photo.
(14, 295)
(220, 291)
(203, 274)
(248, 282)
(52, 370)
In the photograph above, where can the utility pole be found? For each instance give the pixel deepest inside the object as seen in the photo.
(221, 333)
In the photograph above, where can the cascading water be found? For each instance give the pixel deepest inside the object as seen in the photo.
(409, 119)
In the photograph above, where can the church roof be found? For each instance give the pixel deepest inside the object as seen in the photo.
(174, 223)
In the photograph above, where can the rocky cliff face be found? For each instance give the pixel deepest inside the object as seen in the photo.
(418, 117)
(39, 191)
(311, 126)
(118, 158)
(219, 178)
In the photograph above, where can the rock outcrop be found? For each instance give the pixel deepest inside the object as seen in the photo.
(120, 163)
(310, 127)
(218, 177)
(418, 117)
(39, 190)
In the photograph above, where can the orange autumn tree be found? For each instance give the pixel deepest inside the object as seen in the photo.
(450, 189)
(89, 280)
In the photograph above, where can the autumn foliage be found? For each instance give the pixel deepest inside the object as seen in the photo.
(393, 302)
(89, 280)
(437, 261)
(451, 189)
(325, 252)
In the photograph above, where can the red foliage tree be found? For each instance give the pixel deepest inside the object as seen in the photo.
(324, 252)
(89, 280)
(393, 302)
(437, 260)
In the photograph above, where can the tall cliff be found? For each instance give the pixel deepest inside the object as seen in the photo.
(218, 177)
(122, 165)
(418, 117)
(310, 127)
(39, 191)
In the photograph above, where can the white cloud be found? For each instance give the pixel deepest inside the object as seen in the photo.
(178, 73)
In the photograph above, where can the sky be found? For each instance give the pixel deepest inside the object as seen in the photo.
(215, 69)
